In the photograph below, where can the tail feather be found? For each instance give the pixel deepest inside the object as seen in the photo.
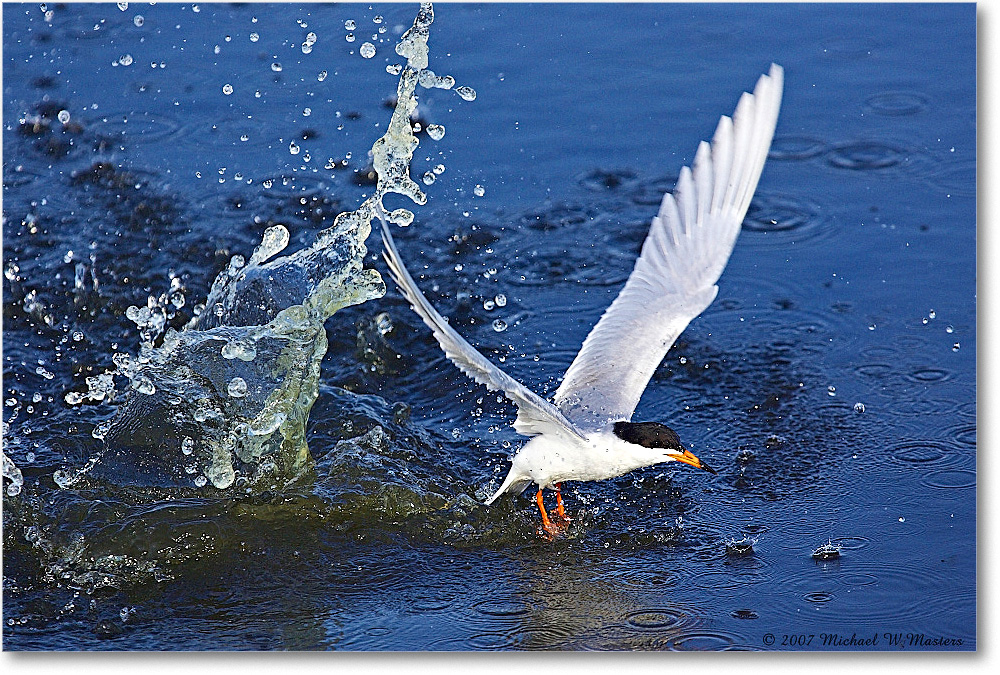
(513, 483)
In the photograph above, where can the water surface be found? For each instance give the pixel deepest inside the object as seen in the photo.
(853, 282)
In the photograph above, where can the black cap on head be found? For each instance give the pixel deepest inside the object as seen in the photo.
(648, 434)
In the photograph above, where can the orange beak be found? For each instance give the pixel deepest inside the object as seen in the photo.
(689, 458)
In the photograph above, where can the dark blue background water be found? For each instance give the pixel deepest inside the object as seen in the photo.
(852, 282)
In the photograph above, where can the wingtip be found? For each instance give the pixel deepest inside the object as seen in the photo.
(777, 75)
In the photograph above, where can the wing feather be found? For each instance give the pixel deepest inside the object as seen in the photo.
(689, 243)
(535, 415)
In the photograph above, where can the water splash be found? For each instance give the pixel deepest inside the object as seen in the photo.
(13, 474)
(224, 401)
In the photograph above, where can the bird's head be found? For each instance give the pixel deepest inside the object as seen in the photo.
(656, 436)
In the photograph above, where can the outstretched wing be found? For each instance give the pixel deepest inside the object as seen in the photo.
(534, 414)
(687, 247)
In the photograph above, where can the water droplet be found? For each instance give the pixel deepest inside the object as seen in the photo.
(144, 386)
(377, 18)
(872, 326)
(237, 387)
(955, 347)
(74, 398)
(138, 20)
(488, 304)
(902, 519)
(123, 6)
(200, 481)
(62, 479)
(227, 89)
(125, 60)
(244, 351)
(859, 407)
(949, 329)
(429, 178)
(254, 37)
(63, 116)
(394, 69)
(294, 148)
(276, 67)
(932, 314)
(350, 25)
(367, 50)
(439, 169)
(349, 37)
(274, 241)
(499, 325)
(479, 190)
(187, 445)
(467, 93)
(831, 390)
(435, 131)
(383, 322)
(501, 300)
(321, 76)
(307, 112)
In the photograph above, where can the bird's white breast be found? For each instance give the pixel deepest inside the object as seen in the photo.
(549, 459)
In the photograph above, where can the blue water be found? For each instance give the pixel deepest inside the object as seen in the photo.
(853, 281)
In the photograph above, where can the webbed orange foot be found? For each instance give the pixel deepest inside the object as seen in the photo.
(549, 530)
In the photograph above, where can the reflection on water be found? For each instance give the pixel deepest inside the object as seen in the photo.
(386, 544)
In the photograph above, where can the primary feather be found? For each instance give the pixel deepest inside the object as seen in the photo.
(689, 242)
(535, 415)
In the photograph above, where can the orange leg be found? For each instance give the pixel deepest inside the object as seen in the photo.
(560, 510)
(547, 530)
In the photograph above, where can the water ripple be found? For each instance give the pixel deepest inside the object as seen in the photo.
(656, 618)
(950, 479)
(501, 607)
(784, 219)
(896, 103)
(964, 434)
(138, 127)
(920, 452)
(702, 640)
(796, 148)
(866, 156)
(955, 178)
(928, 374)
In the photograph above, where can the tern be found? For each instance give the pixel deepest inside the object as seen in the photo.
(586, 432)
